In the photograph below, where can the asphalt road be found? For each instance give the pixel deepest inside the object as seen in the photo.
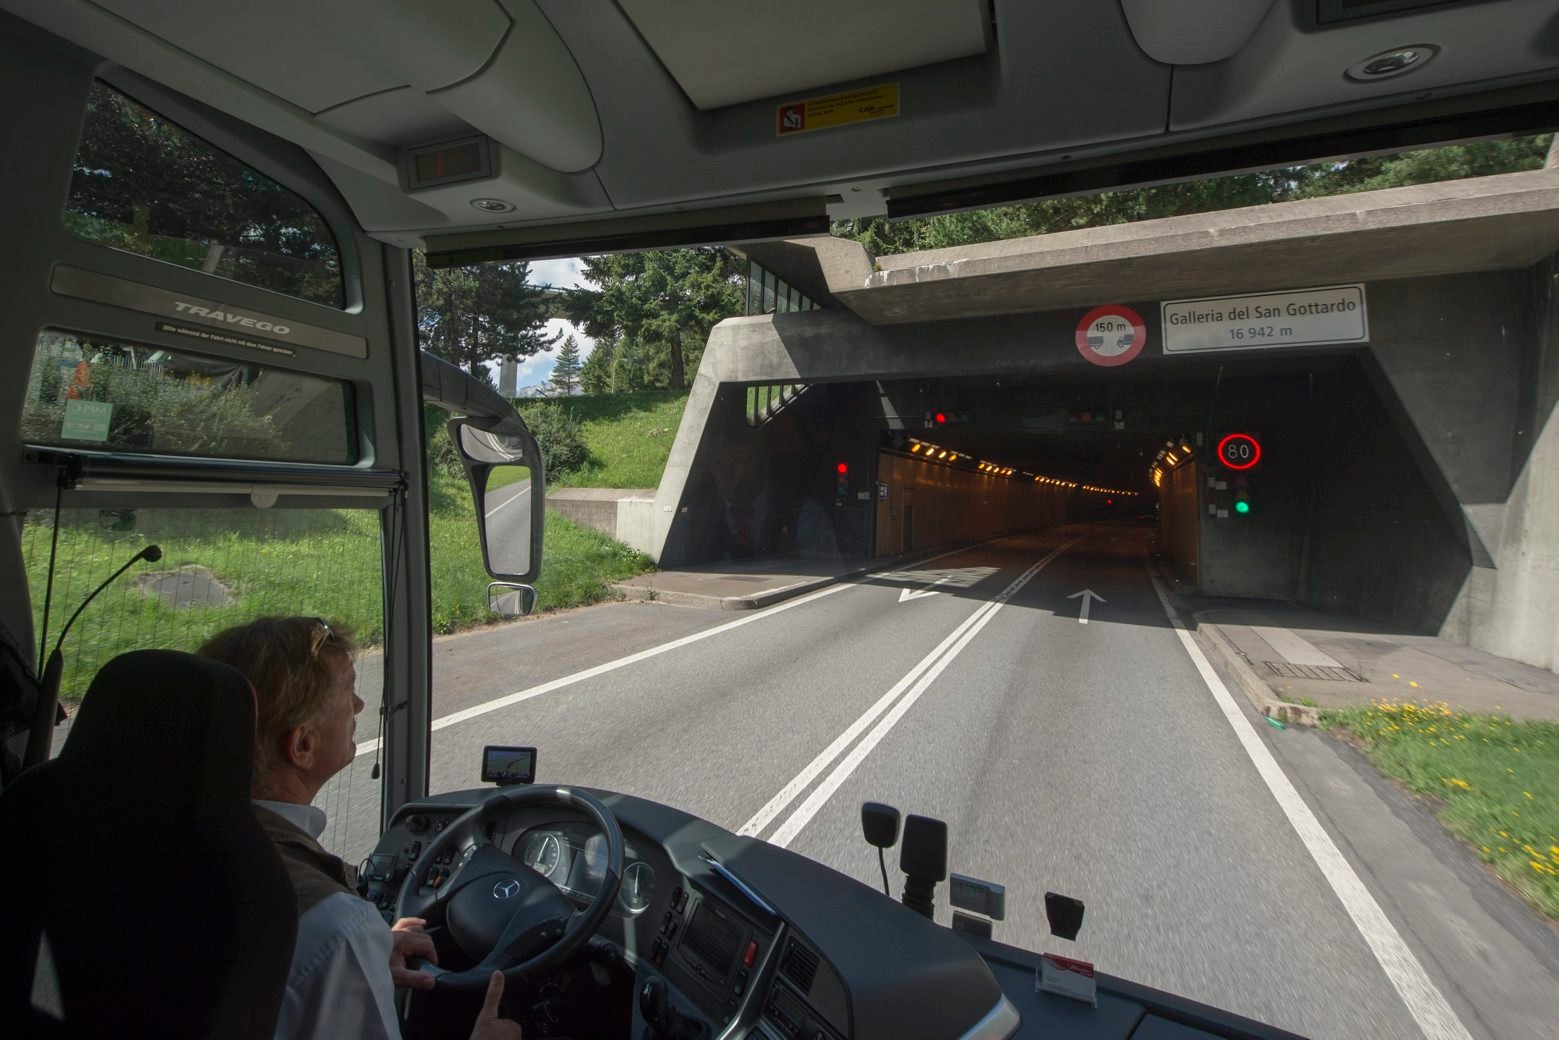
(1091, 759)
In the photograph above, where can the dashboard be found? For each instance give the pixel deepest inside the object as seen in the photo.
(758, 943)
(573, 857)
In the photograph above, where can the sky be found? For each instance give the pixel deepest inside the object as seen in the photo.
(559, 274)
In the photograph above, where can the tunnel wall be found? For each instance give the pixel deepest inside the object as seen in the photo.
(1379, 543)
(781, 473)
(1512, 608)
(1179, 518)
(928, 505)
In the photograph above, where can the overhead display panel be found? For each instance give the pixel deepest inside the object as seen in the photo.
(800, 45)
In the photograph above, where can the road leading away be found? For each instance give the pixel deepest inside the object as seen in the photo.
(1102, 759)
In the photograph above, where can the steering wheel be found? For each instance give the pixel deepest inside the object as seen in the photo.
(499, 911)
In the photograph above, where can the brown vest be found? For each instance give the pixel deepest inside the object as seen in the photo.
(314, 872)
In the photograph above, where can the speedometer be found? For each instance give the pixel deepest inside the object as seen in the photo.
(542, 853)
(637, 888)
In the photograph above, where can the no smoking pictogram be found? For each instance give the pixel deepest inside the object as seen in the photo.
(1111, 335)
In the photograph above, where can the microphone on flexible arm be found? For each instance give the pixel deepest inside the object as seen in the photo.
(40, 739)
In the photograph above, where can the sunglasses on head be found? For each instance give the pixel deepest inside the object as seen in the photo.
(322, 633)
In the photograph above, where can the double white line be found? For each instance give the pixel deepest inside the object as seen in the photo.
(896, 702)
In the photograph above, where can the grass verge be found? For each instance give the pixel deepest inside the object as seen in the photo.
(1497, 782)
(629, 437)
(281, 561)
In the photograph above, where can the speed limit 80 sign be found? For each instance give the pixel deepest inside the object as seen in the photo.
(1239, 451)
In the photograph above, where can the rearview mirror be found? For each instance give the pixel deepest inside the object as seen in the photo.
(508, 488)
(510, 600)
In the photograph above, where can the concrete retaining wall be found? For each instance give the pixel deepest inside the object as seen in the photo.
(626, 514)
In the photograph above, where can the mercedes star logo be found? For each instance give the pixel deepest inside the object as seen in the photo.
(506, 889)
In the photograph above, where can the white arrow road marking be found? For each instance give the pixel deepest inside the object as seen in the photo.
(1087, 594)
(930, 590)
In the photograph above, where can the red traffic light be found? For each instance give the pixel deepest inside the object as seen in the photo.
(940, 417)
(841, 468)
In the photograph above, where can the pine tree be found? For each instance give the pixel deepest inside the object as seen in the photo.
(565, 374)
(473, 315)
(595, 375)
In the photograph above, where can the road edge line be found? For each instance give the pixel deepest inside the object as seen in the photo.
(1430, 1010)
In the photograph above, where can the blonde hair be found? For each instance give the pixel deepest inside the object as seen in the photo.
(291, 662)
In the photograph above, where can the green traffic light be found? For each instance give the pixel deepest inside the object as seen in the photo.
(1242, 507)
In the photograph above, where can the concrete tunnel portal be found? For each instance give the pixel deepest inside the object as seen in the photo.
(1395, 355)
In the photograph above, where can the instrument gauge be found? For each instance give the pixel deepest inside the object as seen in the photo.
(543, 853)
(638, 886)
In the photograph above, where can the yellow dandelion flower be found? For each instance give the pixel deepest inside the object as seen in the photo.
(1414, 685)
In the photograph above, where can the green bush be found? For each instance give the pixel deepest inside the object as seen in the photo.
(156, 408)
(442, 456)
(559, 434)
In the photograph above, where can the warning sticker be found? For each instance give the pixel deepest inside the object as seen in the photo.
(212, 336)
(1111, 335)
(820, 113)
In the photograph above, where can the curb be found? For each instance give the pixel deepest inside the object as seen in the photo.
(648, 594)
(1251, 684)
(769, 597)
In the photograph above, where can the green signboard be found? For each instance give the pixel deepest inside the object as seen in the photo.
(86, 421)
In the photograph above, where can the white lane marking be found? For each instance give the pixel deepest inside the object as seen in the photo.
(1423, 999)
(1294, 648)
(621, 662)
(368, 747)
(523, 491)
(1087, 594)
(917, 680)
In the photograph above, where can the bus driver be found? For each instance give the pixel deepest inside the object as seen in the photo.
(346, 962)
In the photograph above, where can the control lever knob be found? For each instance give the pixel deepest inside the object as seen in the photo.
(652, 1001)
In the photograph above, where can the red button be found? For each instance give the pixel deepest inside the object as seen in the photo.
(751, 956)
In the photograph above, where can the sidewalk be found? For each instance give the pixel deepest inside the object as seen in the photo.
(1291, 661)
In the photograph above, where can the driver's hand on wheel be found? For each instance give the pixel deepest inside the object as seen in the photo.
(488, 1025)
(407, 940)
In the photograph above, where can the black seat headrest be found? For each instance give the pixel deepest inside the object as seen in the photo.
(142, 837)
(177, 714)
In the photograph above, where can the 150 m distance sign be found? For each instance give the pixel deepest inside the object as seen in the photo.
(1257, 321)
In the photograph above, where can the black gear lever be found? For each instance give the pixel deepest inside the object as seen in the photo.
(661, 1020)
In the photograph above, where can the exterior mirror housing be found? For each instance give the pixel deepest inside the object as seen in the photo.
(508, 486)
(510, 599)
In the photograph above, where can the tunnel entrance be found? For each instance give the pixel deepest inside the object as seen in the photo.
(1321, 500)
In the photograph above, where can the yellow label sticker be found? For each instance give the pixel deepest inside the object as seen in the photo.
(820, 113)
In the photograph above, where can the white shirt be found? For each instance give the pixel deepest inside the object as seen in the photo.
(339, 985)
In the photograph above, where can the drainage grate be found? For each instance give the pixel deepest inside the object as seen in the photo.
(1313, 671)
